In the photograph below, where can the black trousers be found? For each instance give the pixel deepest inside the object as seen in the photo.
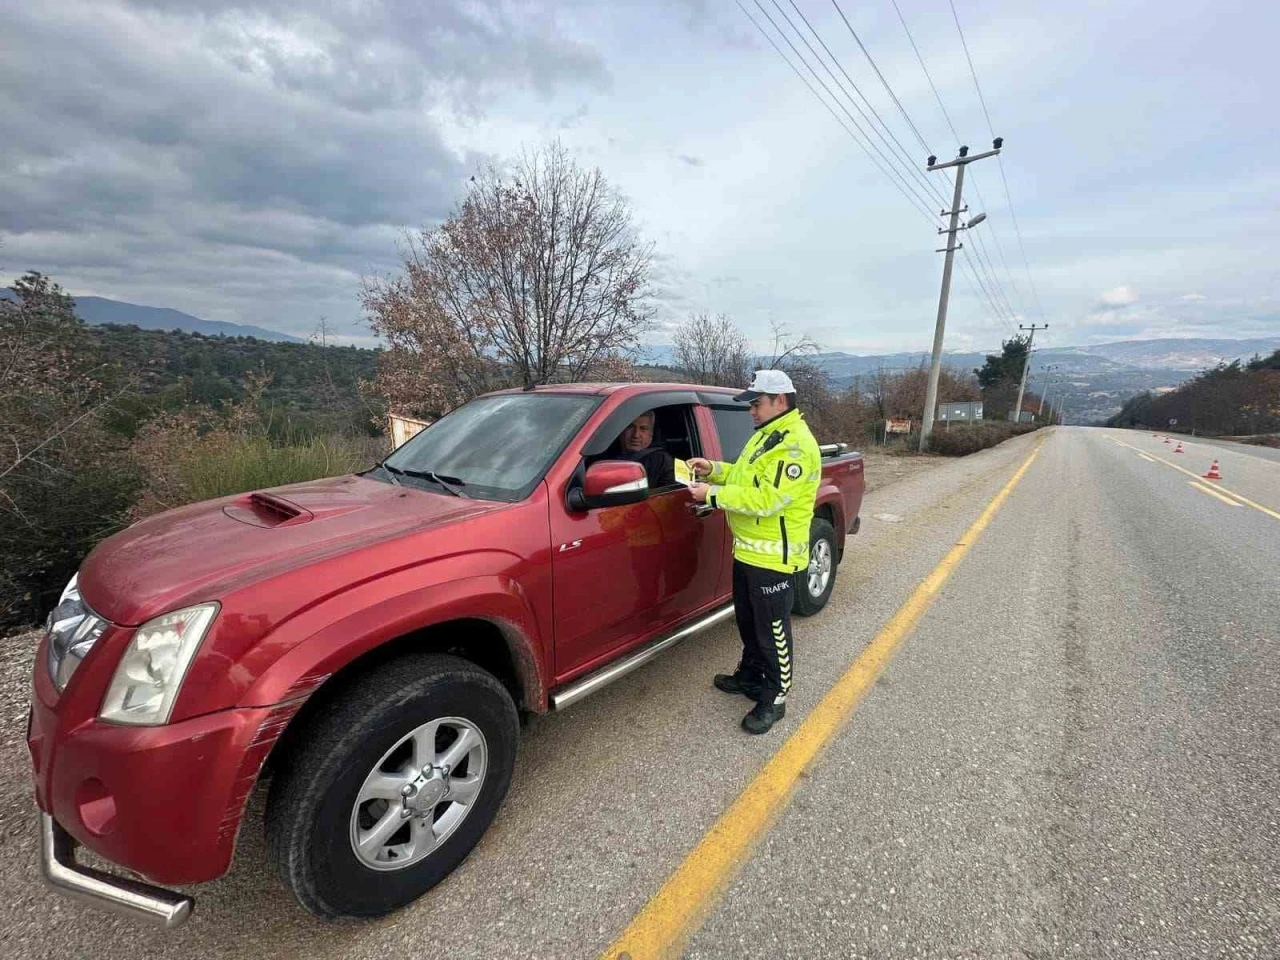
(762, 604)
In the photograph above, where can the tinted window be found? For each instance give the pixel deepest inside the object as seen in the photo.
(735, 427)
(499, 447)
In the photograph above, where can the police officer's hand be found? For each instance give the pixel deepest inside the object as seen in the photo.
(700, 466)
(700, 491)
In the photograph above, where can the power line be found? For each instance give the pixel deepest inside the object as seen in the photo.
(991, 287)
(974, 281)
(928, 187)
(910, 197)
(995, 236)
(984, 260)
(902, 151)
(878, 158)
(932, 87)
(901, 109)
(981, 250)
(801, 57)
(996, 309)
(991, 128)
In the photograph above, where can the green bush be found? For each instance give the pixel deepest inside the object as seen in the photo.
(253, 463)
(184, 461)
(960, 440)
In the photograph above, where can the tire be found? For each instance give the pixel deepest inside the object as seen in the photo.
(813, 586)
(319, 804)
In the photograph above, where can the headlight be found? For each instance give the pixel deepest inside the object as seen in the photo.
(73, 630)
(151, 671)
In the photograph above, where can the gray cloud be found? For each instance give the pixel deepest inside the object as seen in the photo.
(251, 160)
(227, 157)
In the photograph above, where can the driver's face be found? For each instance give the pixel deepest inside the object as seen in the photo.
(639, 434)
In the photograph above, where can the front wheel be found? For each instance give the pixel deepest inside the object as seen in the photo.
(394, 785)
(813, 586)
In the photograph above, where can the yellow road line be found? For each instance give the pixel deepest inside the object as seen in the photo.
(678, 909)
(1214, 493)
(1239, 496)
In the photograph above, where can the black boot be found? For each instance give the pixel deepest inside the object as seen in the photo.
(738, 682)
(763, 716)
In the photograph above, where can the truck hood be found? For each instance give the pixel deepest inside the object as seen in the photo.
(205, 550)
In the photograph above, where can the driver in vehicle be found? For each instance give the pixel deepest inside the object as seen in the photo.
(636, 443)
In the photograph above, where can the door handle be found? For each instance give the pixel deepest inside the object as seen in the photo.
(701, 510)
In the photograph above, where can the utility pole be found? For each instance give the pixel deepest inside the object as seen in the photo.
(1026, 365)
(1051, 384)
(935, 363)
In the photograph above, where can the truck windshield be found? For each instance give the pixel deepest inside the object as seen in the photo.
(496, 448)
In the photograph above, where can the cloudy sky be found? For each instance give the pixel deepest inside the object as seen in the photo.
(251, 162)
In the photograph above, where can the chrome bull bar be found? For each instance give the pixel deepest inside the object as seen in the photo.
(132, 898)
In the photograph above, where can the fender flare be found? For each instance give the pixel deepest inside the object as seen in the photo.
(496, 599)
(829, 496)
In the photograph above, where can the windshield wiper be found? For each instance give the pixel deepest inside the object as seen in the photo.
(448, 483)
(389, 471)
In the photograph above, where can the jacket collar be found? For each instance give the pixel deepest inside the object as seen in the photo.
(782, 419)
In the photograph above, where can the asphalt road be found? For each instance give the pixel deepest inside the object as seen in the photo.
(1076, 753)
(1245, 449)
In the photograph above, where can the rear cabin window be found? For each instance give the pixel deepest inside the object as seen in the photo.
(735, 428)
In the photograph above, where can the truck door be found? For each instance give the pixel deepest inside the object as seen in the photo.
(623, 574)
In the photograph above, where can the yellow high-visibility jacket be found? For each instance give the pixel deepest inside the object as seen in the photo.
(768, 494)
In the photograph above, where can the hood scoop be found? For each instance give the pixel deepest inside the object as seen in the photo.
(267, 510)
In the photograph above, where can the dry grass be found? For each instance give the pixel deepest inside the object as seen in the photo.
(886, 468)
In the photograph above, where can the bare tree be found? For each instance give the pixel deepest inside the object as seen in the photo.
(713, 351)
(538, 276)
(791, 351)
(876, 387)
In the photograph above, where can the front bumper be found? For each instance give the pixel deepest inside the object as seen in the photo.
(132, 898)
(163, 802)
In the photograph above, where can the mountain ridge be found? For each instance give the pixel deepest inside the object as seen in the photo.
(99, 311)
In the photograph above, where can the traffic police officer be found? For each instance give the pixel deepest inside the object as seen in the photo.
(768, 495)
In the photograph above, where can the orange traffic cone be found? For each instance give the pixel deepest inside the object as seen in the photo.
(1213, 473)
(1167, 440)
(1179, 447)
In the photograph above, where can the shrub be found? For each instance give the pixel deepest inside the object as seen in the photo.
(65, 481)
(960, 440)
(185, 458)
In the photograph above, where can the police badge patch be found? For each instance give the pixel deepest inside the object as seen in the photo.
(794, 470)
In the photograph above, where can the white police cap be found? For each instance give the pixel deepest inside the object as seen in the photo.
(767, 382)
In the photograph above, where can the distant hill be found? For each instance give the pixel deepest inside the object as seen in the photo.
(1173, 354)
(1182, 353)
(100, 310)
(1096, 379)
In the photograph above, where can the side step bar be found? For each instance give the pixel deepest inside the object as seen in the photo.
(614, 671)
(132, 898)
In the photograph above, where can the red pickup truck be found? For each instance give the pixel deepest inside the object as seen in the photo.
(371, 641)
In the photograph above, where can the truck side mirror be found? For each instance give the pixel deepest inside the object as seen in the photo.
(610, 483)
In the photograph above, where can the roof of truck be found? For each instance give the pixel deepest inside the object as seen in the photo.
(610, 388)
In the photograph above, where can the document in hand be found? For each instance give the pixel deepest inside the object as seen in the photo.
(684, 473)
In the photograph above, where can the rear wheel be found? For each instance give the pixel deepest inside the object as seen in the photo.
(393, 787)
(813, 585)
